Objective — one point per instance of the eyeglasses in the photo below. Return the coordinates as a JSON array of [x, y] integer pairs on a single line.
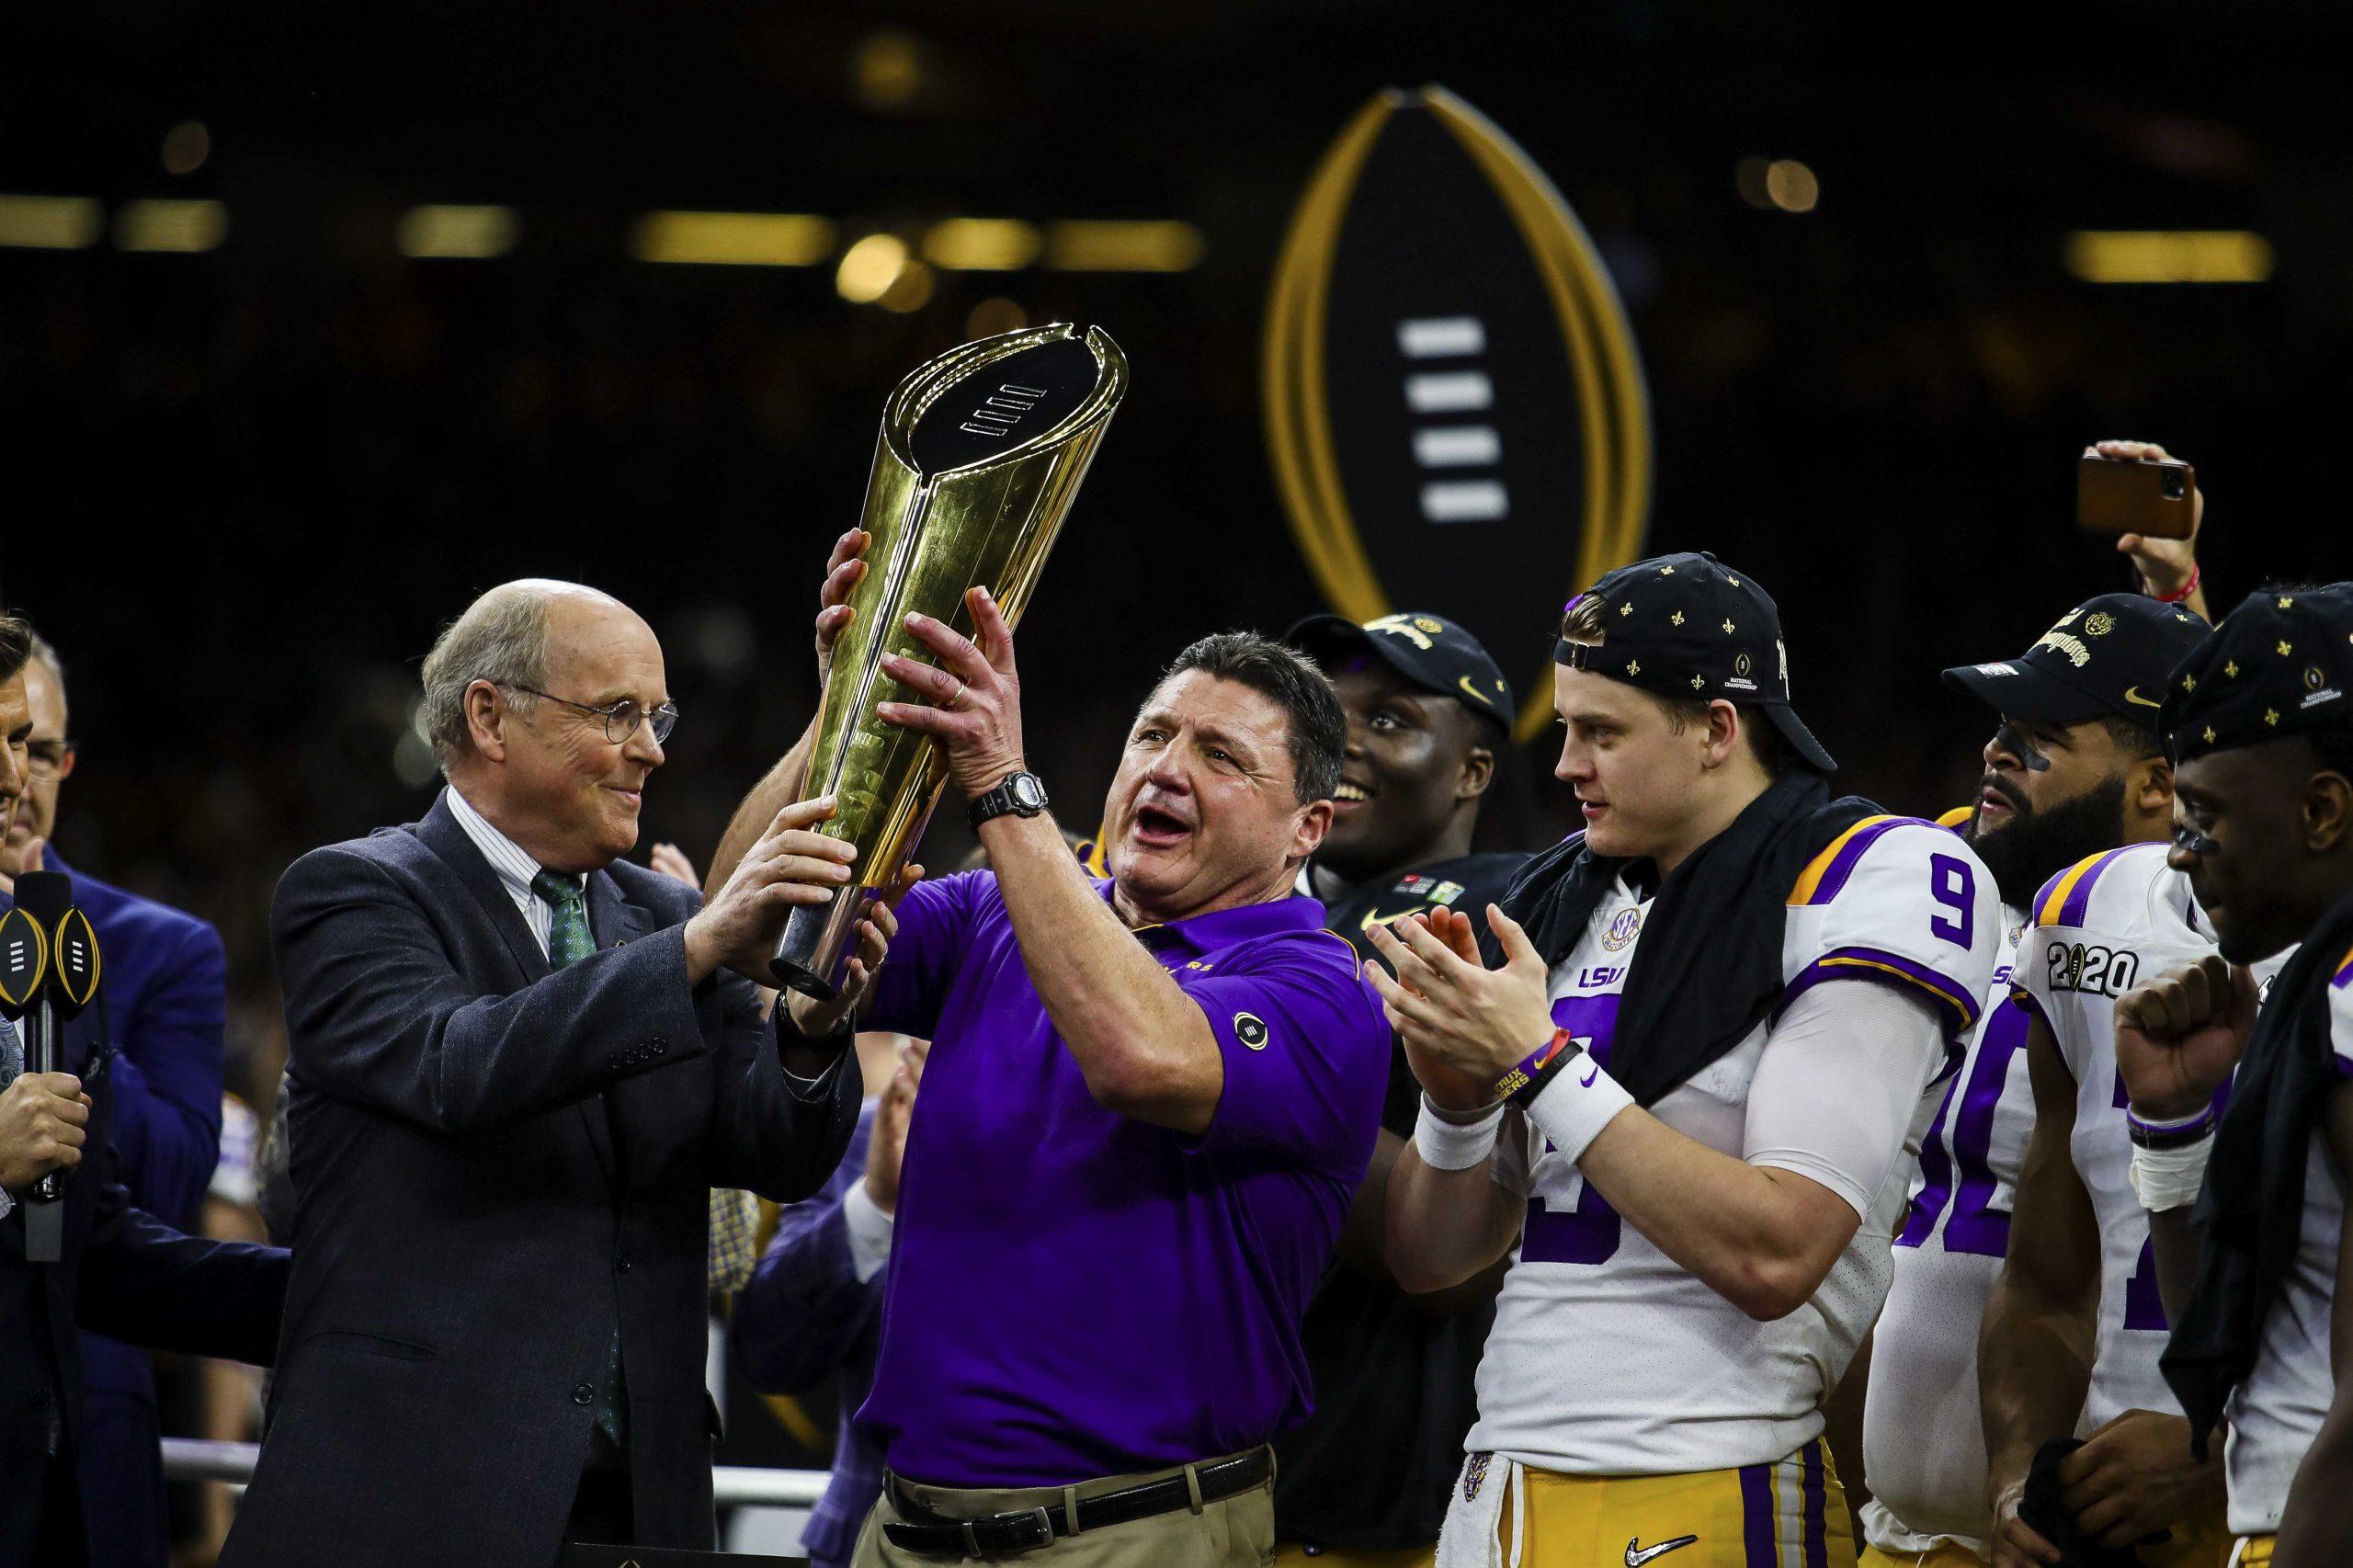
[[622, 719], [47, 759]]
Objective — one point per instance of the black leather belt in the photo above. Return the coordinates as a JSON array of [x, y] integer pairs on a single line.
[[1008, 1535]]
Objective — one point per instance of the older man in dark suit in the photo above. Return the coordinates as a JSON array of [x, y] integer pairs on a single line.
[[517, 1065]]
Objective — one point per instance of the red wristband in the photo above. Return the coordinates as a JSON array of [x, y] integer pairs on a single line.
[[1538, 1067], [2196, 571]]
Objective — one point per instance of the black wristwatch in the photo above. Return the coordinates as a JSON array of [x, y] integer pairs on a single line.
[[1023, 794]]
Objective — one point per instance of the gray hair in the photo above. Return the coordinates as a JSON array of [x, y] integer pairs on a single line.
[[502, 638], [46, 656]]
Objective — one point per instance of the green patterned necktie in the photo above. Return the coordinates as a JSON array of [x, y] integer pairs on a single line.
[[569, 941]]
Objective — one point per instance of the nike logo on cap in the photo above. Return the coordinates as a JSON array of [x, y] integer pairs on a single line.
[[1473, 692], [1637, 1554], [2133, 695]]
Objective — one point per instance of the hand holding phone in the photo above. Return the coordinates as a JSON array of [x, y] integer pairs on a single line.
[[2151, 495], [2151, 502]]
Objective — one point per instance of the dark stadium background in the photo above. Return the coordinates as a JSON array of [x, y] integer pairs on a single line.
[[244, 487]]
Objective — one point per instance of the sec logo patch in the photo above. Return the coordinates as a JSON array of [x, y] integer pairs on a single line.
[[1251, 1030]]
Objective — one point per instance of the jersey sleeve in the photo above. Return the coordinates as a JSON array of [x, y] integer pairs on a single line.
[[1306, 1051], [1900, 903], [2098, 929], [2340, 1014], [936, 920]]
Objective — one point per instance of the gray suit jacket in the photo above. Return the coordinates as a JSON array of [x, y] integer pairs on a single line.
[[489, 1160]]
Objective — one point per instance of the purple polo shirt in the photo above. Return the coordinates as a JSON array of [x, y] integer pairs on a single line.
[[1073, 1293]]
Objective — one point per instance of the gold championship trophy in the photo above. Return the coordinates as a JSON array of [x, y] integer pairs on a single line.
[[982, 453]]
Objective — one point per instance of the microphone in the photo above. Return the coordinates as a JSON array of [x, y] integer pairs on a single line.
[[69, 982]]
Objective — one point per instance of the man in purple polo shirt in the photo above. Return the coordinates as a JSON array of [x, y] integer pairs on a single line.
[[1147, 1103]]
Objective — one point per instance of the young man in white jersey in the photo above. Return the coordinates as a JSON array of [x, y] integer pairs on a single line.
[[2073, 767], [1693, 1135], [2260, 723]]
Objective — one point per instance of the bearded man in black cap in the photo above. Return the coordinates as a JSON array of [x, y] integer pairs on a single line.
[[1428, 714], [2260, 721], [1667, 1098], [2073, 769]]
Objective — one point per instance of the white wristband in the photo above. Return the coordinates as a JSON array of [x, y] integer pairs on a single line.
[[2169, 1178], [1455, 1145], [1576, 1105]]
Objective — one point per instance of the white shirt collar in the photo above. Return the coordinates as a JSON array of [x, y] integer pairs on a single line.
[[509, 860]]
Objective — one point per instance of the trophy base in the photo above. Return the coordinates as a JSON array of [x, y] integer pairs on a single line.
[[812, 956], [792, 977]]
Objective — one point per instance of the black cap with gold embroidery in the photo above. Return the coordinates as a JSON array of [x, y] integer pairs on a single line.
[[1687, 626], [2280, 663], [2107, 658], [1429, 649]]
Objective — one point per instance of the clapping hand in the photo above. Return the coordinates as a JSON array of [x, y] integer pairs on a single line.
[[1463, 1025]]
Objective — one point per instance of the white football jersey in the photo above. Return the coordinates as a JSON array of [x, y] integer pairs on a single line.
[[2276, 1411], [1924, 1451], [1606, 1357], [2101, 927]]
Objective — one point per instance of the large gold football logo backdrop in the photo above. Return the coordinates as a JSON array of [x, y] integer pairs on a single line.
[[1454, 407]]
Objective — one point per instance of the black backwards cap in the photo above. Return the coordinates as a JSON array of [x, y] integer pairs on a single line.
[[2107, 658], [2280, 663], [1429, 649], [1687, 626]]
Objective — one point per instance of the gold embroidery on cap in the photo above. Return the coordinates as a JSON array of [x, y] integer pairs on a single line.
[[1727, 628], [2271, 715], [1677, 618]]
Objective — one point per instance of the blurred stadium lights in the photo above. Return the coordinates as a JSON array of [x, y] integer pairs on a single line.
[[51, 222], [734, 239], [1790, 185], [2169, 256], [186, 146], [869, 268], [444, 230], [170, 225], [1122, 245], [983, 245]]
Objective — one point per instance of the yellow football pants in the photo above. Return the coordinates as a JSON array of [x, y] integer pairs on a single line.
[[2254, 1552], [1789, 1515]]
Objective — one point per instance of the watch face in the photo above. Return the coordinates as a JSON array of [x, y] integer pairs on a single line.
[[1028, 794]]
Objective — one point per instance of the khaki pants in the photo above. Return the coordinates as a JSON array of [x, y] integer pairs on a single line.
[[1235, 1532]]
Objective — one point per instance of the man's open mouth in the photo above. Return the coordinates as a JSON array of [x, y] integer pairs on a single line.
[[1157, 827]]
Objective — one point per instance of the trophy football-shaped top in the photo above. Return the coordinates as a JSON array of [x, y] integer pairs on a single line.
[[982, 453]]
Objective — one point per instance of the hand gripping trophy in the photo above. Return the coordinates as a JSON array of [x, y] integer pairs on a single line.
[[981, 456]]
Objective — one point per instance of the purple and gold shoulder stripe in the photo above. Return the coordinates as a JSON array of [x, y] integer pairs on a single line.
[[1960, 1008], [2343, 976], [1826, 874], [2066, 898]]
